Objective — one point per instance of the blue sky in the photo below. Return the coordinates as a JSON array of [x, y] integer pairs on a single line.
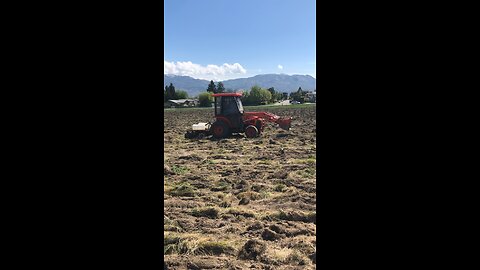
[[225, 39]]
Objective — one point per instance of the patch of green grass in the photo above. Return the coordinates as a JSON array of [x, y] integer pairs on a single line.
[[280, 187], [182, 190], [308, 172], [179, 169], [311, 161]]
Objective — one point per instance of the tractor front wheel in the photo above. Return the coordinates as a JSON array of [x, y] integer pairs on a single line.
[[220, 130], [251, 132]]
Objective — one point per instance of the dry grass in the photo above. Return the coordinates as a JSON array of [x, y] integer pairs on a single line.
[[183, 190], [293, 216], [220, 195], [195, 244], [210, 212]]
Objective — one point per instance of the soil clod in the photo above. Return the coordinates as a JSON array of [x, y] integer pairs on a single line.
[[255, 226], [244, 201], [270, 235], [252, 250]]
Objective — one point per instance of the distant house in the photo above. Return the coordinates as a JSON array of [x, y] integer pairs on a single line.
[[311, 97], [178, 103]]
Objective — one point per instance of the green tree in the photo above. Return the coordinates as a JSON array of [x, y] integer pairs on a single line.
[[220, 88], [205, 99], [246, 97], [273, 93], [170, 91], [298, 96], [253, 95], [165, 94], [259, 95], [265, 96], [293, 95], [278, 96], [211, 87], [180, 94]]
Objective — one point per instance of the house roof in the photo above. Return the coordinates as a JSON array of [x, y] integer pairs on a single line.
[[181, 101]]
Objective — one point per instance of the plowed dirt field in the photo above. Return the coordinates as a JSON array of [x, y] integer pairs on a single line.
[[240, 203]]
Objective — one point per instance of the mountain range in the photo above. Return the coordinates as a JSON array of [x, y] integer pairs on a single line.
[[281, 83]]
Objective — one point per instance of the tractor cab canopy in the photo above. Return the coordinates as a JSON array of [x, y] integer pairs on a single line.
[[228, 104]]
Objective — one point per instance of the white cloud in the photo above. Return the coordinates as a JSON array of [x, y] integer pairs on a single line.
[[209, 72], [280, 67]]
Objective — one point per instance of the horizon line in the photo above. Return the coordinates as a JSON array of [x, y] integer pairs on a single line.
[[241, 77]]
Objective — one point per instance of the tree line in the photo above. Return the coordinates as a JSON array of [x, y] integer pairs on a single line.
[[171, 93], [255, 96]]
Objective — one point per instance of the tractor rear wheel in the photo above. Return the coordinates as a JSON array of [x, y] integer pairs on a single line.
[[251, 131], [220, 130]]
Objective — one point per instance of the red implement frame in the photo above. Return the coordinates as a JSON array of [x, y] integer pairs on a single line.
[[284, 123]]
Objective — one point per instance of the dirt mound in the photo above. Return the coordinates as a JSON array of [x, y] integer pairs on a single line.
[[252, 250]]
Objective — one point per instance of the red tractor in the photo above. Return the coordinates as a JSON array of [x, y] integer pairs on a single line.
[[230, 118]]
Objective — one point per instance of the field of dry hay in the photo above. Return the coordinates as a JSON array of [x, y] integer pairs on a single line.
[[240, 203]]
